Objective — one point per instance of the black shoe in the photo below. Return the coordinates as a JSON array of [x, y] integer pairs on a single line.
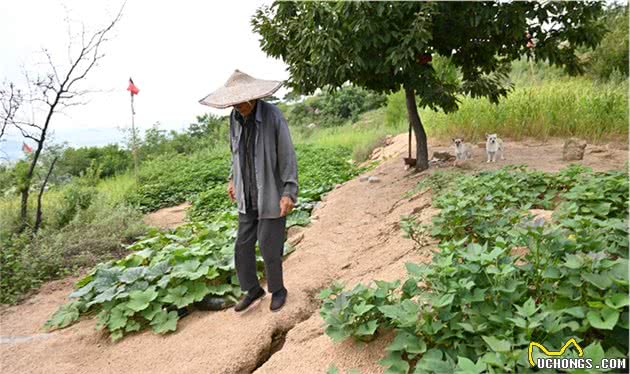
[[249, 299], [278, 299]]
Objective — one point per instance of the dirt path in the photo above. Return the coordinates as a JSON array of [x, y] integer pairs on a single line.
[[354, 238], [168, 218]]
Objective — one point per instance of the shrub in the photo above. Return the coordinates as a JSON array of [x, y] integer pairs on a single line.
[[396, 111], [612, 53], [93, 235], [333, 108], [172, 179]]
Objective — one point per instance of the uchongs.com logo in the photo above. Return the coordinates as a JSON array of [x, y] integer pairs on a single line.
[[555, 359]]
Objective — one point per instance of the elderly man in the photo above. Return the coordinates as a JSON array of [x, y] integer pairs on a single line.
[[263, 182]]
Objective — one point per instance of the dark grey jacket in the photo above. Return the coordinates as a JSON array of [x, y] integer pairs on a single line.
[[274, 161]]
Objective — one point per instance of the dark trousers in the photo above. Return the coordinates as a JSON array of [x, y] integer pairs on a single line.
[[270, 236]]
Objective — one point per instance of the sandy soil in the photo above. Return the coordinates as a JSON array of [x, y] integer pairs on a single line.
[[168, 218], [354, 237]]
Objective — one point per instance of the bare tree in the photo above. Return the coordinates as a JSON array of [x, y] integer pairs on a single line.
[[52, 92], [10, 101]]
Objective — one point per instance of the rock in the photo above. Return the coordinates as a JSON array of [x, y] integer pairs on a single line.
[[296, 239], [597, 150], [573, 149], [389, 139], [311, 126], [443, 156], [541, 214], [338, 185], [293, 231], [373, 179], [464, 165], [364, 178], [376, 153]]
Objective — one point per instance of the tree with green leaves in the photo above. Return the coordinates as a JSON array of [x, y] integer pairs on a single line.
[[386, 46]]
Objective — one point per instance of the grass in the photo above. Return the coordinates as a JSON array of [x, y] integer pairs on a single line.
[[362, 136], [117, 188], [554, 107], [560, 108]]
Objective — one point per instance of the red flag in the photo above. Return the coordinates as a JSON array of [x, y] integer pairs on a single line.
[[26, 148], [132, 88]]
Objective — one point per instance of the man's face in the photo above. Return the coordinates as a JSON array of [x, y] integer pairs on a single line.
[[245, 108]]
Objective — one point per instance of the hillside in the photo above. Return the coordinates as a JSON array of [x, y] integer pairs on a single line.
[[355, 237]]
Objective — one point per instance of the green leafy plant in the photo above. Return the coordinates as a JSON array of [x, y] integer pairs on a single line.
[[356, 312], [164, 272], [490, 290]]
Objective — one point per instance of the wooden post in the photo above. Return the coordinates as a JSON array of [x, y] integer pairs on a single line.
[[133, 140]]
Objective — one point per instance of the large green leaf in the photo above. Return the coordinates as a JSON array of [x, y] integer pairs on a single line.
[[164, 322], [64, 316], [601, 281], [131, 275], [605, 318], [466, 366], [140, 300], [497, 345]]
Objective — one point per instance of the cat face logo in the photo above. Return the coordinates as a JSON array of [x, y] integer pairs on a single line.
[[553, 353]]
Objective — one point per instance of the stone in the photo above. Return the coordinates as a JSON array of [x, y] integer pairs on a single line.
[[443, 156], [389, 139], [364, 178], [311, 126], [597, 150], [376, 153], [293, 231], [374, 179], [295, 239], [541, 214], [338, 185], [573, 149]]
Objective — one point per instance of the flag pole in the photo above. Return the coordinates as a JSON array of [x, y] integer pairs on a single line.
[[133, 139]]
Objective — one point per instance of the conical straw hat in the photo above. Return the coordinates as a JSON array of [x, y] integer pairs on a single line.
[[240, 88]]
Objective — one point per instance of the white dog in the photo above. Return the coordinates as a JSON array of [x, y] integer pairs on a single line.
[[494, 145], [463, 151]]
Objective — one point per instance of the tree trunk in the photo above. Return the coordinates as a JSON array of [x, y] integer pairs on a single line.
[[38, 216], [23, 208], [422, 151]]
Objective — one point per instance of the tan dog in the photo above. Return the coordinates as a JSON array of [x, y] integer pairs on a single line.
[[463, 151], [494, 145]]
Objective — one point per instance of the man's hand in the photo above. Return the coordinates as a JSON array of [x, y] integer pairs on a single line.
[[286, 206], [230, 190]]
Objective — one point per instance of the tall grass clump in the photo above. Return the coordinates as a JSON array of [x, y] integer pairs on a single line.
[[558, 108], [80, 229], [361, 137]]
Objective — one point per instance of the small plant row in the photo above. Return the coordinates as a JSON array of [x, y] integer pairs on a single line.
[[164, 272], [478, 304], [320, 168], [167, 271]]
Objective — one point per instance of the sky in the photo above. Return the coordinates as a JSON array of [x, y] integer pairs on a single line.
[[176, 53]]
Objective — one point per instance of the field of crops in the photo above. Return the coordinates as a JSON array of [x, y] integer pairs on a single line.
[[502, 277], [167, 271]]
